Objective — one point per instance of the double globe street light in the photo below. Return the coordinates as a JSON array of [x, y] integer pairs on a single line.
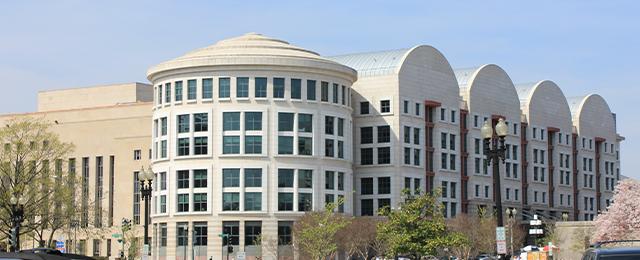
[[146, 178], [494, 149], [17, 216]]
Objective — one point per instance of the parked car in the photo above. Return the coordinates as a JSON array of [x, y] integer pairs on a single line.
[[597, 252], [49, 251], [30, 256]]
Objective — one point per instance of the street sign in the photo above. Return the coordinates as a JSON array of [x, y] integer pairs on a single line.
[[241, 256], [535, 222], [116, 235], [500, 234], [60, 246], [502, 247], [550, 248], [535, 231]]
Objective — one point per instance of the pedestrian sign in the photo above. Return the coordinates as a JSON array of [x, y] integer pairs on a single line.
[[500, 234], [502, 247]]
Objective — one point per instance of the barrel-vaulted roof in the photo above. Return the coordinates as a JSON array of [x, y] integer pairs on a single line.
[[374, 63], [251, 50]]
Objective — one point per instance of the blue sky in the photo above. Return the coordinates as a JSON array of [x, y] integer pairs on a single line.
[[584, 46]]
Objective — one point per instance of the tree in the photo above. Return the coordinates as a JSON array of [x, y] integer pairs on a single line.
[[358, 237], [621, 220], [25, 175], [417, 228], [315, 232]]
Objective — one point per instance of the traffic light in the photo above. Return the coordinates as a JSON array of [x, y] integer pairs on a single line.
[[230, 249], [121, 254], [225, 240]]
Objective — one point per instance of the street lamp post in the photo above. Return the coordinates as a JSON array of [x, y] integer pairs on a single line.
[[17, 216], [511, 213], [146, 177], [494, 149]]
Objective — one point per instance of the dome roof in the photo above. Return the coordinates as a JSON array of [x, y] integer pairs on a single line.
[[251, 49]]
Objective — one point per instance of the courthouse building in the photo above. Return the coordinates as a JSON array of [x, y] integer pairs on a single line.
[[246, 135]]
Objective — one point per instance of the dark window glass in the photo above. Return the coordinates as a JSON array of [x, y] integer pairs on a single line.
[[296, 89], [242, 87], [261, 88], [311, 90], [366, 186], [278, 87]]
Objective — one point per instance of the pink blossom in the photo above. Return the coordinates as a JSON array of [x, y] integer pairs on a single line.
[[621, 220]]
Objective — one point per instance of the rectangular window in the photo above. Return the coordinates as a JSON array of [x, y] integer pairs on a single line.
[[285, 178], [417, 109], [183, 123], [305, 145], [366, 186], [311, 90], [224, 87], [305, 179], [278, 87], [207, 88], [253, 201], [341, 181], [178, 91], [191, 89], [334, 93], [167, 93], [384, 155], [231, 121], [285, 201], [285, 122], [252, 144], [443, 114], [163, 149], [183, 146], [242, 87], [261, 87], [342, 94], [329, 125], [384, 185], [407, 155], [324, 91], [200, 145], [230, 178], [182, 234], [405, 107], [199, 178], [231, 145], [231, 228], [305, 202], [385, 106], [453, 116], [183, 202], [329, 180], [284, 232], [416, 135], [366, 156], [340, 126], [329, 148], [201, 122], [443, 161], [366, 135], [364, 108], [444, 187], [163, 126], [416, 157], [452, 142], [366, 207], [443, 140], [340, 149], [200, 233], [230, 201], [183, 179], [285, 145], [252, 232], [296, 89], [252, 121], [384, 134], [199, 202]]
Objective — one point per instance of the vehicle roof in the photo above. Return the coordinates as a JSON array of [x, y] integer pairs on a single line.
[[617, 250]]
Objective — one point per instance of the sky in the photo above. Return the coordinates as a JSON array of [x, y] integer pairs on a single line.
[[583, 46]]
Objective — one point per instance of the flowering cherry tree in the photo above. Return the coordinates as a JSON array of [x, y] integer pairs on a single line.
[[622, 218]]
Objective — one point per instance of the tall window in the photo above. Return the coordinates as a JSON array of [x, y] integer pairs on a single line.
[[224, 87], [167, 93], [334, 93], [178, 91], [183, 179], [364, 108], [324, 91], [200, 145], [384, 134], [252, 232], [242, 87], [296, 88], [261, 87], [199, 178], [253, 121], [311, 90], [99, 191], [199, 202], [183, 202], [207, 88], [191, 89], [200, 233], [278, 87]]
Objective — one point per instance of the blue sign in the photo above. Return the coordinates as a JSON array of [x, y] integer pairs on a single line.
[[60, 246]]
